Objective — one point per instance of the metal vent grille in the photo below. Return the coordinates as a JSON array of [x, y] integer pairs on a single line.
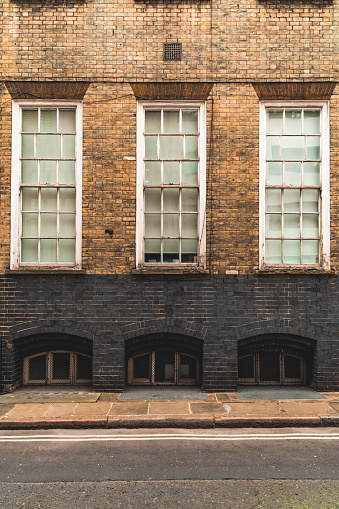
[[172, 51]]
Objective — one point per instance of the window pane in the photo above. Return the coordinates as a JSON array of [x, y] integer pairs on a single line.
[[171, 147], [48, 250], [171, 250], [48, 121], [189, 200], [67, 250], [190, 173], [67, 121], [68, 146], [292, 251], [311, 122], [30, 225], [152, 225], [164, 366], [189, 227], [152, 250], [313, 147], [61, 366], [310, 200], [152, 172], [274, 121], [190, 121], [29, 121], [37, 368], [273, 225], [189, 251], [171, 225], [191, 151], [293, 147], [311, 174], [67, 225], [29, 172], [67, 172], [293, 122], [49, 200], [29, 250], [188, 367], [310, 251], [48, 146], [274, 174], [67, 200], [292, 226], [30, 199], [310, 226], [141, 366], [151, 147], [293, 173], [273, 251], [273, 147], [171, 122], [246, 367], [273, 200], [269, 366], [153, 121], [171, 172], [292, 200], [47, 172], [153, 200], [171, 200], [48, 225], [27, 145], [292, 367]]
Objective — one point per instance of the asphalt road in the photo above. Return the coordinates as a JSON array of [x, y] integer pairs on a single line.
[[99, 469]]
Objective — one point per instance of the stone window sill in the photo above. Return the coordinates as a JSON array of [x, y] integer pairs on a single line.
[[38, 270], [169, 271]]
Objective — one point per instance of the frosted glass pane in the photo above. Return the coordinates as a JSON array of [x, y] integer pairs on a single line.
[[310, 226], [153, 200], [313, 147], [47, 172], [274, 173], [171, 147], [171, 251], [190, 173], [310, 200], [291, 251], [191, 151], [273, 200], [68, 146], [151, 147], [273, 147], [30, 225], [274, 121], [292, 226], [67, 121], [273, 225], [152, 225], [67, 172], [171, 225], [189, 225], [273, 251], [171, 122], [190, 121], [293, 173], [189, 246], [29, 172], [48, 146], [29, 121], [67, 200], [27, 145], [292, 200], [292, 147], [30, 199], [49, 200], [171, 200], [48, 121], [67, 250], [189, 200], [310, 251], [311, 174], [48, 250], [29, 250], [171, 172], [152, 250], [311, 122], [153, 121], [152, 172], [48, 225], [67, 225], [293, 122]]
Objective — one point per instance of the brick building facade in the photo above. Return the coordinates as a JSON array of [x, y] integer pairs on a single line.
[[168, 193]]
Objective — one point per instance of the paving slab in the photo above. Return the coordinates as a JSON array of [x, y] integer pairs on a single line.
[[50, 394], [335, 405], [306, 408], [89, 410], [254, 409], [129, 408], [208, 408], [60, 411], [169, 408], [163, 393], [4, 409], [32, 411]]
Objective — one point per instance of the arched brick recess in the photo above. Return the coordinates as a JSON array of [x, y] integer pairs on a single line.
[[165, 325]]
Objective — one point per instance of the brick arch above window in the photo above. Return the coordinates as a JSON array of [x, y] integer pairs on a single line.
[[301, 91], [171, 91], [58, 90]]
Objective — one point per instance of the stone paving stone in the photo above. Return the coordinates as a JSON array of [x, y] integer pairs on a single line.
[[4, 409], [207, 408], [169, 408], [32, 411], [90, 410], [255, 409], [129, 408], [335, 405], [109, 396], [306, 408], [60, 410]]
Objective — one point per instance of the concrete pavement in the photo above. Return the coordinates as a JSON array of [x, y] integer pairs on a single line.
[[32, 408]]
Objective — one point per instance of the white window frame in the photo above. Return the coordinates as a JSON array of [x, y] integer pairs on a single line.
[[142, 106], [17, 107], [324, 215]]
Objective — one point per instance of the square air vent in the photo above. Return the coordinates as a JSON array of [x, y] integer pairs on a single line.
[[172, 51]]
